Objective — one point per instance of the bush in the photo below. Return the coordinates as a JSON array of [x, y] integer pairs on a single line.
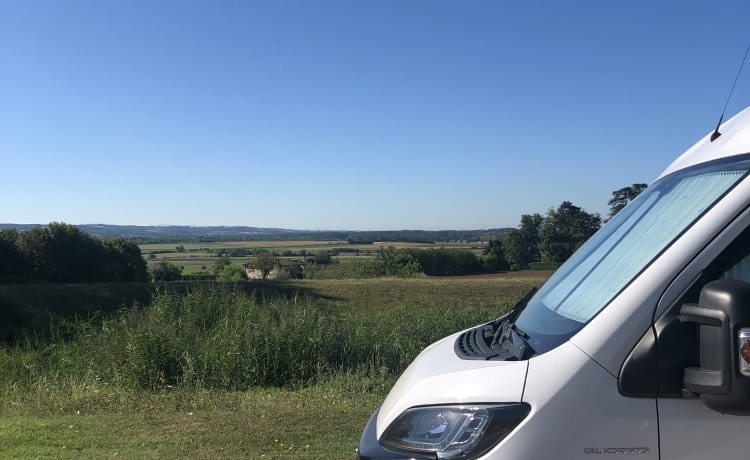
[[352, 269], [166, 271], [446, 262], [231, 273]]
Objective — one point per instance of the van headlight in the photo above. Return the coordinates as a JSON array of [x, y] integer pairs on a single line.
[[457, 431]]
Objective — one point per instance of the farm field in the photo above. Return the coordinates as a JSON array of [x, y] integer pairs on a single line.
[[76, 409], [199, 257]]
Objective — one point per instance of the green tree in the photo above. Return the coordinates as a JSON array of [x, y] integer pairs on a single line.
[[126, 263], [220, 264], [445, 261], [166, 271], [265, 262], [521, 245], [13, 265], [493, 256], [63, 253], [231, 273], [564, 230], [394, 262], [322, 257], [621, 197]]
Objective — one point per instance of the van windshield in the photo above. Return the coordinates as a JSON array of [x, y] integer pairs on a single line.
[[621, 249]]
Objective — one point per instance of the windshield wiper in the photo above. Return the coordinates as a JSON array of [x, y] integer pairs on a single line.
[[520, 332], [500, 339], [510, 318], [503, 342]]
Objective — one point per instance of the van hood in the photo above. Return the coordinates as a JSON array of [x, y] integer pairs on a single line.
[[438, 376]]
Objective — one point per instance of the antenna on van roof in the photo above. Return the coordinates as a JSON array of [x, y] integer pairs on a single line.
[[715, 135]]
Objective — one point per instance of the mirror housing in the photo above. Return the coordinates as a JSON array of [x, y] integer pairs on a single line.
[[722, 318]]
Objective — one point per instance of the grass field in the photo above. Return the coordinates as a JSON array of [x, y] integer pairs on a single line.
[[60, 400], [321, 422]]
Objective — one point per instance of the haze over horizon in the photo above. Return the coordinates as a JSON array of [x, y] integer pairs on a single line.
[[353, 115]]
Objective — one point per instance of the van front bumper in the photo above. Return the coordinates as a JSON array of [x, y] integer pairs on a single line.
[[370, 449]]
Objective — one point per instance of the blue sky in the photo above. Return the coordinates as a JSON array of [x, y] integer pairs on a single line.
[[351, 114]]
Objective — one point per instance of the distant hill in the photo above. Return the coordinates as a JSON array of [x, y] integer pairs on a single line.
[[184, 233]]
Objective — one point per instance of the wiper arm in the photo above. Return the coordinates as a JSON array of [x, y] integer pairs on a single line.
[[520, 332], [520, 305], [502, 340], [510, 318], [512, 343]]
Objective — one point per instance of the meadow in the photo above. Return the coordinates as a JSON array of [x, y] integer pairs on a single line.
[[217, 372]]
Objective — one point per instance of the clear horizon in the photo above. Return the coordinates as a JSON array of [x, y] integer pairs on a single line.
[[355, 115], [312, 230]]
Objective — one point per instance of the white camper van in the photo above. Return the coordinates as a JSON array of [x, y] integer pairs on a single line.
[[637, 347]]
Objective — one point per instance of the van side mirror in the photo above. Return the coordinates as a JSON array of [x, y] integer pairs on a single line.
[[722, 318]]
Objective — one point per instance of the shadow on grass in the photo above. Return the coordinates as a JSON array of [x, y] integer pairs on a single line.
[[26, 309]]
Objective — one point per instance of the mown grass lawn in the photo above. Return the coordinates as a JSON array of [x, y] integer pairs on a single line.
[[321, 422]]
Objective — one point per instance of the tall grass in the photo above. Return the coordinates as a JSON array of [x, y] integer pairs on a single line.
[[217, 338]]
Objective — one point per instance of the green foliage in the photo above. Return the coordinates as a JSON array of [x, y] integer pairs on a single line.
[[166, 271], [229, 340], [394, 262], [265, 262], [493, 257], [231, 273], [351, 269], [446, 261], [564, 230], [322, 257], [220, 264], [64, 254], [12, 261], [521, 246], [198, 276], [124, 262], [621, 197], [402, 263], [552, 238]]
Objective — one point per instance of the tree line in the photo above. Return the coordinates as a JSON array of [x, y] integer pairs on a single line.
[[62, 253], [539, 242], [547, 241]]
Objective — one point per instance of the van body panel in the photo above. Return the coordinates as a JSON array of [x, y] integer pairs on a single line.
[[735, 138], [691, 431], [577, 412], [438, 376], [610, 345]]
